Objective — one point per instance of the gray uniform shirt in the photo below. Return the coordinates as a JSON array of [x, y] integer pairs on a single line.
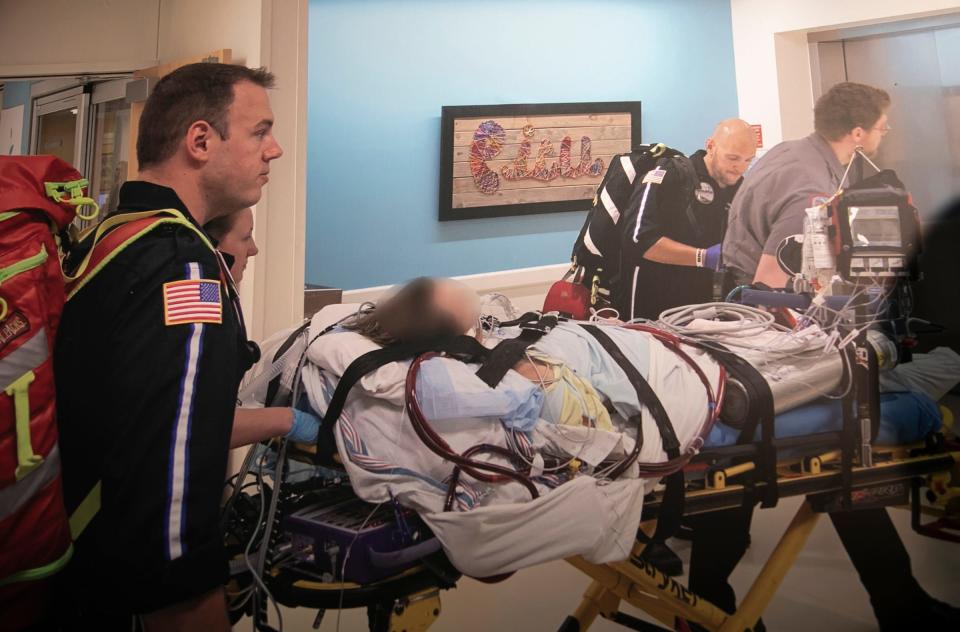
[[770, 203]]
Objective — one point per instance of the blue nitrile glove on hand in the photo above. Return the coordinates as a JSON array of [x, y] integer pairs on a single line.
[[305, 427], [711, 257]]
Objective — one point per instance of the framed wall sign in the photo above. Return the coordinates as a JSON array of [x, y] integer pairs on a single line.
[[499, 160]]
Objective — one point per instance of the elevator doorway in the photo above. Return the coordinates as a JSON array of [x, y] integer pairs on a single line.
[[916, 62]]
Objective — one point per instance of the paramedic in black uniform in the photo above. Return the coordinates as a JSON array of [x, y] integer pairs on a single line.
[[672, 249], [146, 408], [770, 206]]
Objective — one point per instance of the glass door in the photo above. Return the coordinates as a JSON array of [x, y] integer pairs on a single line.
[[59, 126], [110, 143]]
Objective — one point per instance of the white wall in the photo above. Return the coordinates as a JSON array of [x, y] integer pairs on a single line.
[[43, 37], [774, 85], [189, 28], [525, 287]]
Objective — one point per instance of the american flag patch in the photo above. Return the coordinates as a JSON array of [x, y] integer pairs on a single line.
[[192, 301]]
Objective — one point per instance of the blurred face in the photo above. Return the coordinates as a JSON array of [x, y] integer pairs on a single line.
[[459, 301], [239, 243], [238, 165], [727, 159]]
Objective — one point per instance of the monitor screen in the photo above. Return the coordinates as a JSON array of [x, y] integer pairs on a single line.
[[872, 226]]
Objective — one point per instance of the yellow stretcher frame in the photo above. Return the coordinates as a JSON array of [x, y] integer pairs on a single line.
[[643, 586], [636, 582]]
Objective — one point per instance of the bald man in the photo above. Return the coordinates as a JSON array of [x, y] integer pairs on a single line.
[[672, 247]]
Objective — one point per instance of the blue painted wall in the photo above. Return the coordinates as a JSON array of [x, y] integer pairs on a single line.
[[18, 93], [379, 71]]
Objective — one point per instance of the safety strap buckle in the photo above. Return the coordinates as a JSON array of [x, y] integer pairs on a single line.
[[543, 325], [72, 193]]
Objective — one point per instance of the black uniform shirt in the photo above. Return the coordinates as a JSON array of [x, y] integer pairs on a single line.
[[653, 287], [147, 407]]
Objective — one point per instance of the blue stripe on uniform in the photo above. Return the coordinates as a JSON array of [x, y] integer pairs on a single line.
[[180, 438]]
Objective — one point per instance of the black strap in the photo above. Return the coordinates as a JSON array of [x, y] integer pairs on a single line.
[[691, 181], [672, 506], [526, 317], [463, 347], [645, 393], [505, 355], [762, 413]]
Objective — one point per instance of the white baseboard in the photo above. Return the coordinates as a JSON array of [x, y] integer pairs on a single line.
[[525, 287]]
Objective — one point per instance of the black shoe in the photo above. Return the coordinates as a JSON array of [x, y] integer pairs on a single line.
[[760, 627], [927, 614]]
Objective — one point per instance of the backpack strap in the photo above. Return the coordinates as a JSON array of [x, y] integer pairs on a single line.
[[690, 182], [113, 235]]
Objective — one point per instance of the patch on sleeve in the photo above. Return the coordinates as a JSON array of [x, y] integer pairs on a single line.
[[192, 301], [655, 176]]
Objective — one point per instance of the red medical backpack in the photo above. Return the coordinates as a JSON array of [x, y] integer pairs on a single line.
[[39, 198], [34, 529]]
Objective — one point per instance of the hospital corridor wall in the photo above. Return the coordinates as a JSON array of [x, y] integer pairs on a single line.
[[379, 72]]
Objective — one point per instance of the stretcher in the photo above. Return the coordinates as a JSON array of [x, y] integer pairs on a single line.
[[825, 468], [410, 600]]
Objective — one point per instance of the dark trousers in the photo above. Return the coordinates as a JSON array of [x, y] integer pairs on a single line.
[[720, 539]]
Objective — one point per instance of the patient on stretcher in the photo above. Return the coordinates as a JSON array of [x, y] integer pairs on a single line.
[[549, 415], [574, 379], [567, 376]]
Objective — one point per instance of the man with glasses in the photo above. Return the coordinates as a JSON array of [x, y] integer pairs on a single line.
[[770, 204], [769, 207]]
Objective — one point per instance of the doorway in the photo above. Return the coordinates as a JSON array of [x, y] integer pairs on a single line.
[[916, 63]]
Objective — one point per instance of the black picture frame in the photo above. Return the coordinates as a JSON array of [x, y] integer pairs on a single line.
[[450, 113]]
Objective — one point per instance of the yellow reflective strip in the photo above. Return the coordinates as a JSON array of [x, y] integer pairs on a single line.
[[27, 460], [40, 572], [83, 514], [177, 218], [100, 229], [23, 265]]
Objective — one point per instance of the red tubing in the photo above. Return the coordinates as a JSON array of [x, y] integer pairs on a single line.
[[498, 473], [714, 401], [438, 446]]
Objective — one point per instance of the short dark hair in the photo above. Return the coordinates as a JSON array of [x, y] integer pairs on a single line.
[[848, 105], [191, 93]]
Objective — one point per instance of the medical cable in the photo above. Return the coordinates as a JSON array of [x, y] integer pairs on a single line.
[[268, 528], [743, 326], [519, 452], [246, 552], [714, 405], [346, 556], [438, 446]]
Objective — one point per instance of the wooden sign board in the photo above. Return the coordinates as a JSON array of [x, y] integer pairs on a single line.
[[499, 160]]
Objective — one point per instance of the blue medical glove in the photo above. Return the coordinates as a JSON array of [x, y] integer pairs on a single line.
[[711, 257], [305, 427]]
